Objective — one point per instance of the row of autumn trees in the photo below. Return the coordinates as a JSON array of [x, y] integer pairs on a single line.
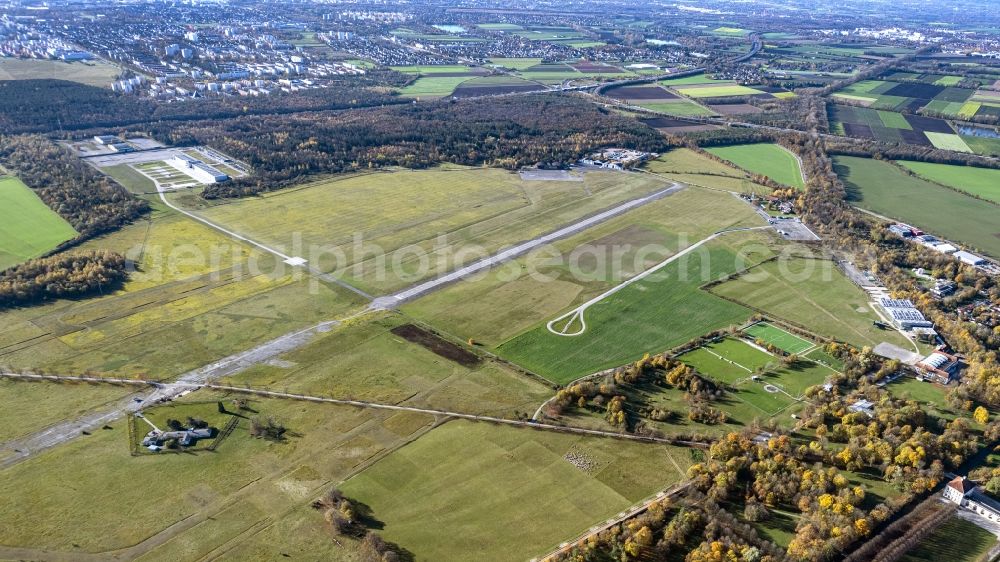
[[689, 526], [511, 132]]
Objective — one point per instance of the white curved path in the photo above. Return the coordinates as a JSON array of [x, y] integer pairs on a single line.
[[577, 314]]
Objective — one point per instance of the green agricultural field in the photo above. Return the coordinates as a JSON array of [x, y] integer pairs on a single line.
[[718, 91], [91, 73], [429, 69], [222, 497], [957, 540], [495, 307], [680, 107], [476, 210], [687, 161], [770, 160], [785, 341], [983, 145], [487, 483], [499, 26], [433, 86], [981, 182], [653, 315], [28, 228], [692, 80], [516, 64], [882, 188], [946, 141], [814, 294]]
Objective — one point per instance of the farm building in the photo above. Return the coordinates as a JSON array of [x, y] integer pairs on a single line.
[[966, 494], [969, 258], [197, 169], [863, 407]]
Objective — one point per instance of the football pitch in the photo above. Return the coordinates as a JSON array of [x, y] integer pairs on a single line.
[[785, 341]]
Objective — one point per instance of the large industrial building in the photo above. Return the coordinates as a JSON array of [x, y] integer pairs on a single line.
[[197, 169]]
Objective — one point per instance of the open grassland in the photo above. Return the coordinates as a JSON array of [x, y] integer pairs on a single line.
[[202, 502], [765, 159], [196, 297], [981, 182], [28, 227], [653, 315], [477, 211], [91, 73], [811, 293], [957, 540], [29, 407], [367, 360], [496, 306], [983, 145], [884, 189], [488, 484]]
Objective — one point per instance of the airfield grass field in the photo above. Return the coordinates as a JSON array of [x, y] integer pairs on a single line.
[[488, 484], [91, 73], [497, 306], [201, 501], [766, 159], [884, 189], [476, 211], [29, 407], [814, 294], [367, 360], [196, 297], [957, 540], [981, 182], [28, 227], [653, 315]]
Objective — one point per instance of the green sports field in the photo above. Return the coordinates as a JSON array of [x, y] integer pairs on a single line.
[[769, 333], [884, 189], [728, 361], [487, 484], [981, 182], [28, 228], [765, 159]]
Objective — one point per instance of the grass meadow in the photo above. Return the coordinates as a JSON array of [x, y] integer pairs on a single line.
[[981, 182], [468, 489], [766, 159], [653, 315], [813, 294], [497, 306], [479, 211], [28, 227]]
